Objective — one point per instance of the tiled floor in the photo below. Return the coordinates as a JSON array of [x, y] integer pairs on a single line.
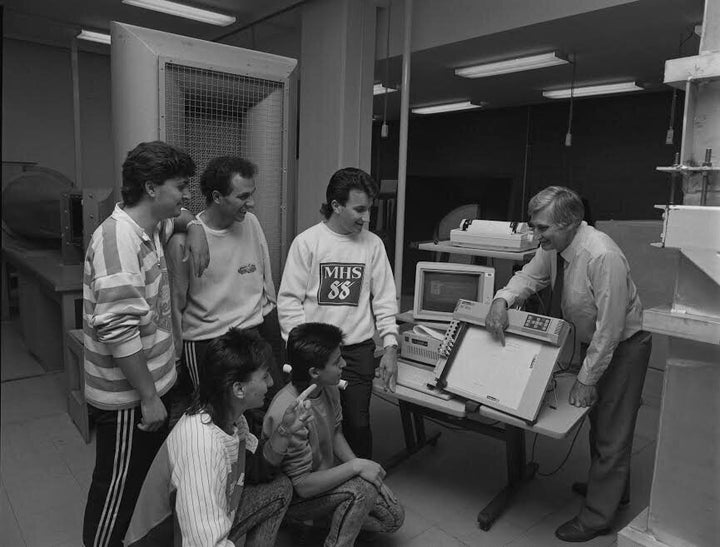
[[45, 469]]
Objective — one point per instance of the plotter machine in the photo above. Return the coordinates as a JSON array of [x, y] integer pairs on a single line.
[[512, 378]]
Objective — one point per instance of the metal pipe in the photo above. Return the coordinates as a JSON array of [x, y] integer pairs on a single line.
[[525, 167], [674, 178], [402, 155], [705, 177], [75, 70]]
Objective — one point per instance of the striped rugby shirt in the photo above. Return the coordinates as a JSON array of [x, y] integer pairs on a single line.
[[126, 308]]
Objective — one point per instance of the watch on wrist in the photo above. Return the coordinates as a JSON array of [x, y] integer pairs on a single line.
[[193, 222], [283, 431]]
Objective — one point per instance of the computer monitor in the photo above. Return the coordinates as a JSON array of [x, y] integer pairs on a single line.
[[439, 285]]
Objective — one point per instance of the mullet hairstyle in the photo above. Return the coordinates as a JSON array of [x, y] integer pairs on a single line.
[[340, 185], [310, 345], [155, 162], [230, 358]]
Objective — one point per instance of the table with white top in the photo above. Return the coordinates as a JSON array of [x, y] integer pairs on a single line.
[[556, 419]]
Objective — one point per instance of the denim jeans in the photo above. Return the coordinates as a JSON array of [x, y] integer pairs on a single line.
[[262, 508], [352, 506]]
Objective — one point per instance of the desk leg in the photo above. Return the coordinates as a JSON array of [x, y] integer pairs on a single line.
[[419, 424], [67, 309], [406, 417], [414, 434], [517, 473], [5, 296], [420, 436]]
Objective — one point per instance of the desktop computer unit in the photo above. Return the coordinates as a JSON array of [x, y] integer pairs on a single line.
[[420, 347]]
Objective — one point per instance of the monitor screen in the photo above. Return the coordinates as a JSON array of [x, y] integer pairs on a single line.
[[439, 286], [442, 290]]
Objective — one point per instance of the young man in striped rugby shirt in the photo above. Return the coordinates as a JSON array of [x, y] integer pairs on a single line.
[[129, 347]]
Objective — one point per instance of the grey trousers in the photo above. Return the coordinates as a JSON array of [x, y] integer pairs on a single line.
[[262, 508], [612, 426], [352, 506]]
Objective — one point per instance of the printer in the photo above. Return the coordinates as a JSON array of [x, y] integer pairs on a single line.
[[497, 235]]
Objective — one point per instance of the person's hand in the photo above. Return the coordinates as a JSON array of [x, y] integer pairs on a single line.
[[297, 415], [582, 395], [387, 370], [153, 412], [370, 471], [496, 321], [388, 495], [196, 247]]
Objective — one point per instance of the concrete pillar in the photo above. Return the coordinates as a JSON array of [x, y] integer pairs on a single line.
[[684, 508], [336, 78]]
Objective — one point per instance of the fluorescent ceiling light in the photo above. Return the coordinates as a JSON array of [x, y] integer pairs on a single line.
[[448, 107], [180, 10], [586, 91], [94, 36], [379, 89], [511, 65]]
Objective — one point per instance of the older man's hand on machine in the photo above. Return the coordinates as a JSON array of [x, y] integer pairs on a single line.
[[583, 395], [496, 321]]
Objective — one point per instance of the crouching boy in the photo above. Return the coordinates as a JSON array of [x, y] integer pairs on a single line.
[[329, 481]]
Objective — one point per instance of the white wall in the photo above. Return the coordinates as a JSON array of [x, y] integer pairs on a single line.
[[38, 110]]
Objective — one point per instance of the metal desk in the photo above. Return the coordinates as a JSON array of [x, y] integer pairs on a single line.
[[557, 418], [50, 300]]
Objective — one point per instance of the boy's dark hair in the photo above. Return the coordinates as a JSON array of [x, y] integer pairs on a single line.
[[344, 180], [156, 162], [220, 171], [230, 358], [310, 345]]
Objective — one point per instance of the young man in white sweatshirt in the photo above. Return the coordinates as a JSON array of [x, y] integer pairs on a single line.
[[338, 272], [237, 290]]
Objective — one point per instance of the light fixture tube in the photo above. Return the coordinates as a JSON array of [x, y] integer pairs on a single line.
[[511, 65], [92, 36], [448, 107], [379, 89], [586, 91], [181, 10]]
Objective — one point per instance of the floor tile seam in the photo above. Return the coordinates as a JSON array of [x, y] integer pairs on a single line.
[[452, 535], [14, 515]]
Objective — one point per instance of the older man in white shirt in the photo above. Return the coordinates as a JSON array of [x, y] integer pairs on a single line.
[[593, 290]]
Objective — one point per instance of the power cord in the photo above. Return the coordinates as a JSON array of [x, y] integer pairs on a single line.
[[565, 459]]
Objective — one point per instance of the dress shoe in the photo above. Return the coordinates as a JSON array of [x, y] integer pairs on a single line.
[[581, 488], [574, 531]]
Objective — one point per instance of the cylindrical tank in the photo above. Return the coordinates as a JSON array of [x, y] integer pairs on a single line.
[[31, 203]]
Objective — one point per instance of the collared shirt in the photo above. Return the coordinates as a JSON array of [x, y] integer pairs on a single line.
[[126, 309], [599, 296]]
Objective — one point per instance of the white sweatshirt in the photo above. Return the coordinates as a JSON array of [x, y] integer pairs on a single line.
[[236, 289], [344, 280]]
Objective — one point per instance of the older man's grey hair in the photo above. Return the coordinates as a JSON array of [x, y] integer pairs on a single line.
[[564, 204]]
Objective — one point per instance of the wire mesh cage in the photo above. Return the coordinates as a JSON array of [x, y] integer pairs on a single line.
[[210, 113]]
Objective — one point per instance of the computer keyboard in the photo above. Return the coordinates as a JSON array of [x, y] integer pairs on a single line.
[[418, 378]]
